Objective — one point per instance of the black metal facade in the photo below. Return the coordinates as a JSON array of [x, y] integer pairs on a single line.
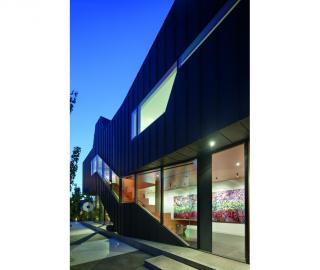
[[210, 92]]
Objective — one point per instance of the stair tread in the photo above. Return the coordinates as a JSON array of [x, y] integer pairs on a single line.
[[162, 262]]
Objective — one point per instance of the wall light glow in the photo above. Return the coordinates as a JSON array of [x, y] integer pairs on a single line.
[[212, 143]]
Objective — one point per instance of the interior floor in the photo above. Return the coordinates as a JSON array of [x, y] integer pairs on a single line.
[[227, 245]]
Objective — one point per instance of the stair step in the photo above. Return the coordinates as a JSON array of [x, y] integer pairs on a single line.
[[165, 263]]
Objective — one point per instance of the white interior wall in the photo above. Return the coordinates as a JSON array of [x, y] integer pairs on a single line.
[[217, 227]]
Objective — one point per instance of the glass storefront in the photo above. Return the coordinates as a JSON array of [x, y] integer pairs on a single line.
[[180, 198], [228, 203], [128, 189], [180, 201], [149, 192], [115, 184]]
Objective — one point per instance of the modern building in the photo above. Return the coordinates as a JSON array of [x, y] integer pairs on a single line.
[[173, 164]]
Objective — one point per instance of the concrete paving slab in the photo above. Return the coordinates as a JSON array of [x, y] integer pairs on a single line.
[[192, 257], [164, 263]]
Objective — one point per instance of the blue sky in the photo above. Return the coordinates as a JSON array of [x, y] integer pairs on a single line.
[[109, 39]]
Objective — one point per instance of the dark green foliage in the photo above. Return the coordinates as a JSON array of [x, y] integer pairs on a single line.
[[74, 164], [73, 99], [75, 203]]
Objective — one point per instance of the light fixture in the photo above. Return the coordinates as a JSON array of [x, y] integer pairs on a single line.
[[212, 143], [238, 164]]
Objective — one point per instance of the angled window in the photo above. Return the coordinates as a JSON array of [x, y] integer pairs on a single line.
[[155, 104], [106, 172], [134, 124], [94, 165], [115, 184], [99, 162]]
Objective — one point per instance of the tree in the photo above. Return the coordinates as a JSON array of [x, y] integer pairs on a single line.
[[76, 196], [73, 99], [75, 203], [74, 164]]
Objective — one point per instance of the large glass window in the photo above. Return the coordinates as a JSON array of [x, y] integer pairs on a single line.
[[149, 193], [180, 201], [228, 203], [134, 124], [94, 165], [99, 169], [128, 189], [106, 172], [155, 104], [115, 184]]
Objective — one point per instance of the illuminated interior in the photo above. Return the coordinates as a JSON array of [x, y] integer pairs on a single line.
[[180, 201], [128, 189], [228, 203], [149, 193]]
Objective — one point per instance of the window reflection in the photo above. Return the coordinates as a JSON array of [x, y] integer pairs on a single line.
[[180, 201], [149, 193], [115, 184], [128, 189], [228, 203]]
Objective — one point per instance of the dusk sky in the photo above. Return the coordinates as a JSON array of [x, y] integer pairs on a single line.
[[109, 41]]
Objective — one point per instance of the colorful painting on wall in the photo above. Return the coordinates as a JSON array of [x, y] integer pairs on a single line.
[[228, 206], [185, 207]]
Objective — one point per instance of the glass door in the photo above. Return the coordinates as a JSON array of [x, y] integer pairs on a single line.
[[228, 203]]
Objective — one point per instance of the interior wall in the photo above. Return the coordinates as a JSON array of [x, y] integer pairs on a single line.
[[228, 228]]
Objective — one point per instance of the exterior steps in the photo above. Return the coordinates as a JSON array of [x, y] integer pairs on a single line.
[[185, 255], [164, 263]]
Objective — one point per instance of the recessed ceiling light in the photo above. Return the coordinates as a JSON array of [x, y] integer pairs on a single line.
[[238, 164], [212, 143]]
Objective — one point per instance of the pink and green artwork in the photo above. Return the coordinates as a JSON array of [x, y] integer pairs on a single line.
[[185, 207], [228, 206]]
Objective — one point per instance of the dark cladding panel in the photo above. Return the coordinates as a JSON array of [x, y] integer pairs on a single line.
[[153, 143], [193, 19], [154, 70], [191, 71], [209, 80], [146, 146], [181, 108], [161, 137], [170, 38], [243, 56], [170, 125], [181, 22], [162, 66], [127, 135], [204, 207], [146, 77], [211, 89]]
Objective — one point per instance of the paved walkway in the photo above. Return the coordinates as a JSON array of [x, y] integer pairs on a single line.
[[197, 258], [90, 250]]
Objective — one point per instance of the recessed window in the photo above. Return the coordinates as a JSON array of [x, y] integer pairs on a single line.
[[94, 164], [134, 124], [154, 105]]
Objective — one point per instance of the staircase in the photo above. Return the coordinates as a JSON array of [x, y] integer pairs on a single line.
[[131, 219]]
